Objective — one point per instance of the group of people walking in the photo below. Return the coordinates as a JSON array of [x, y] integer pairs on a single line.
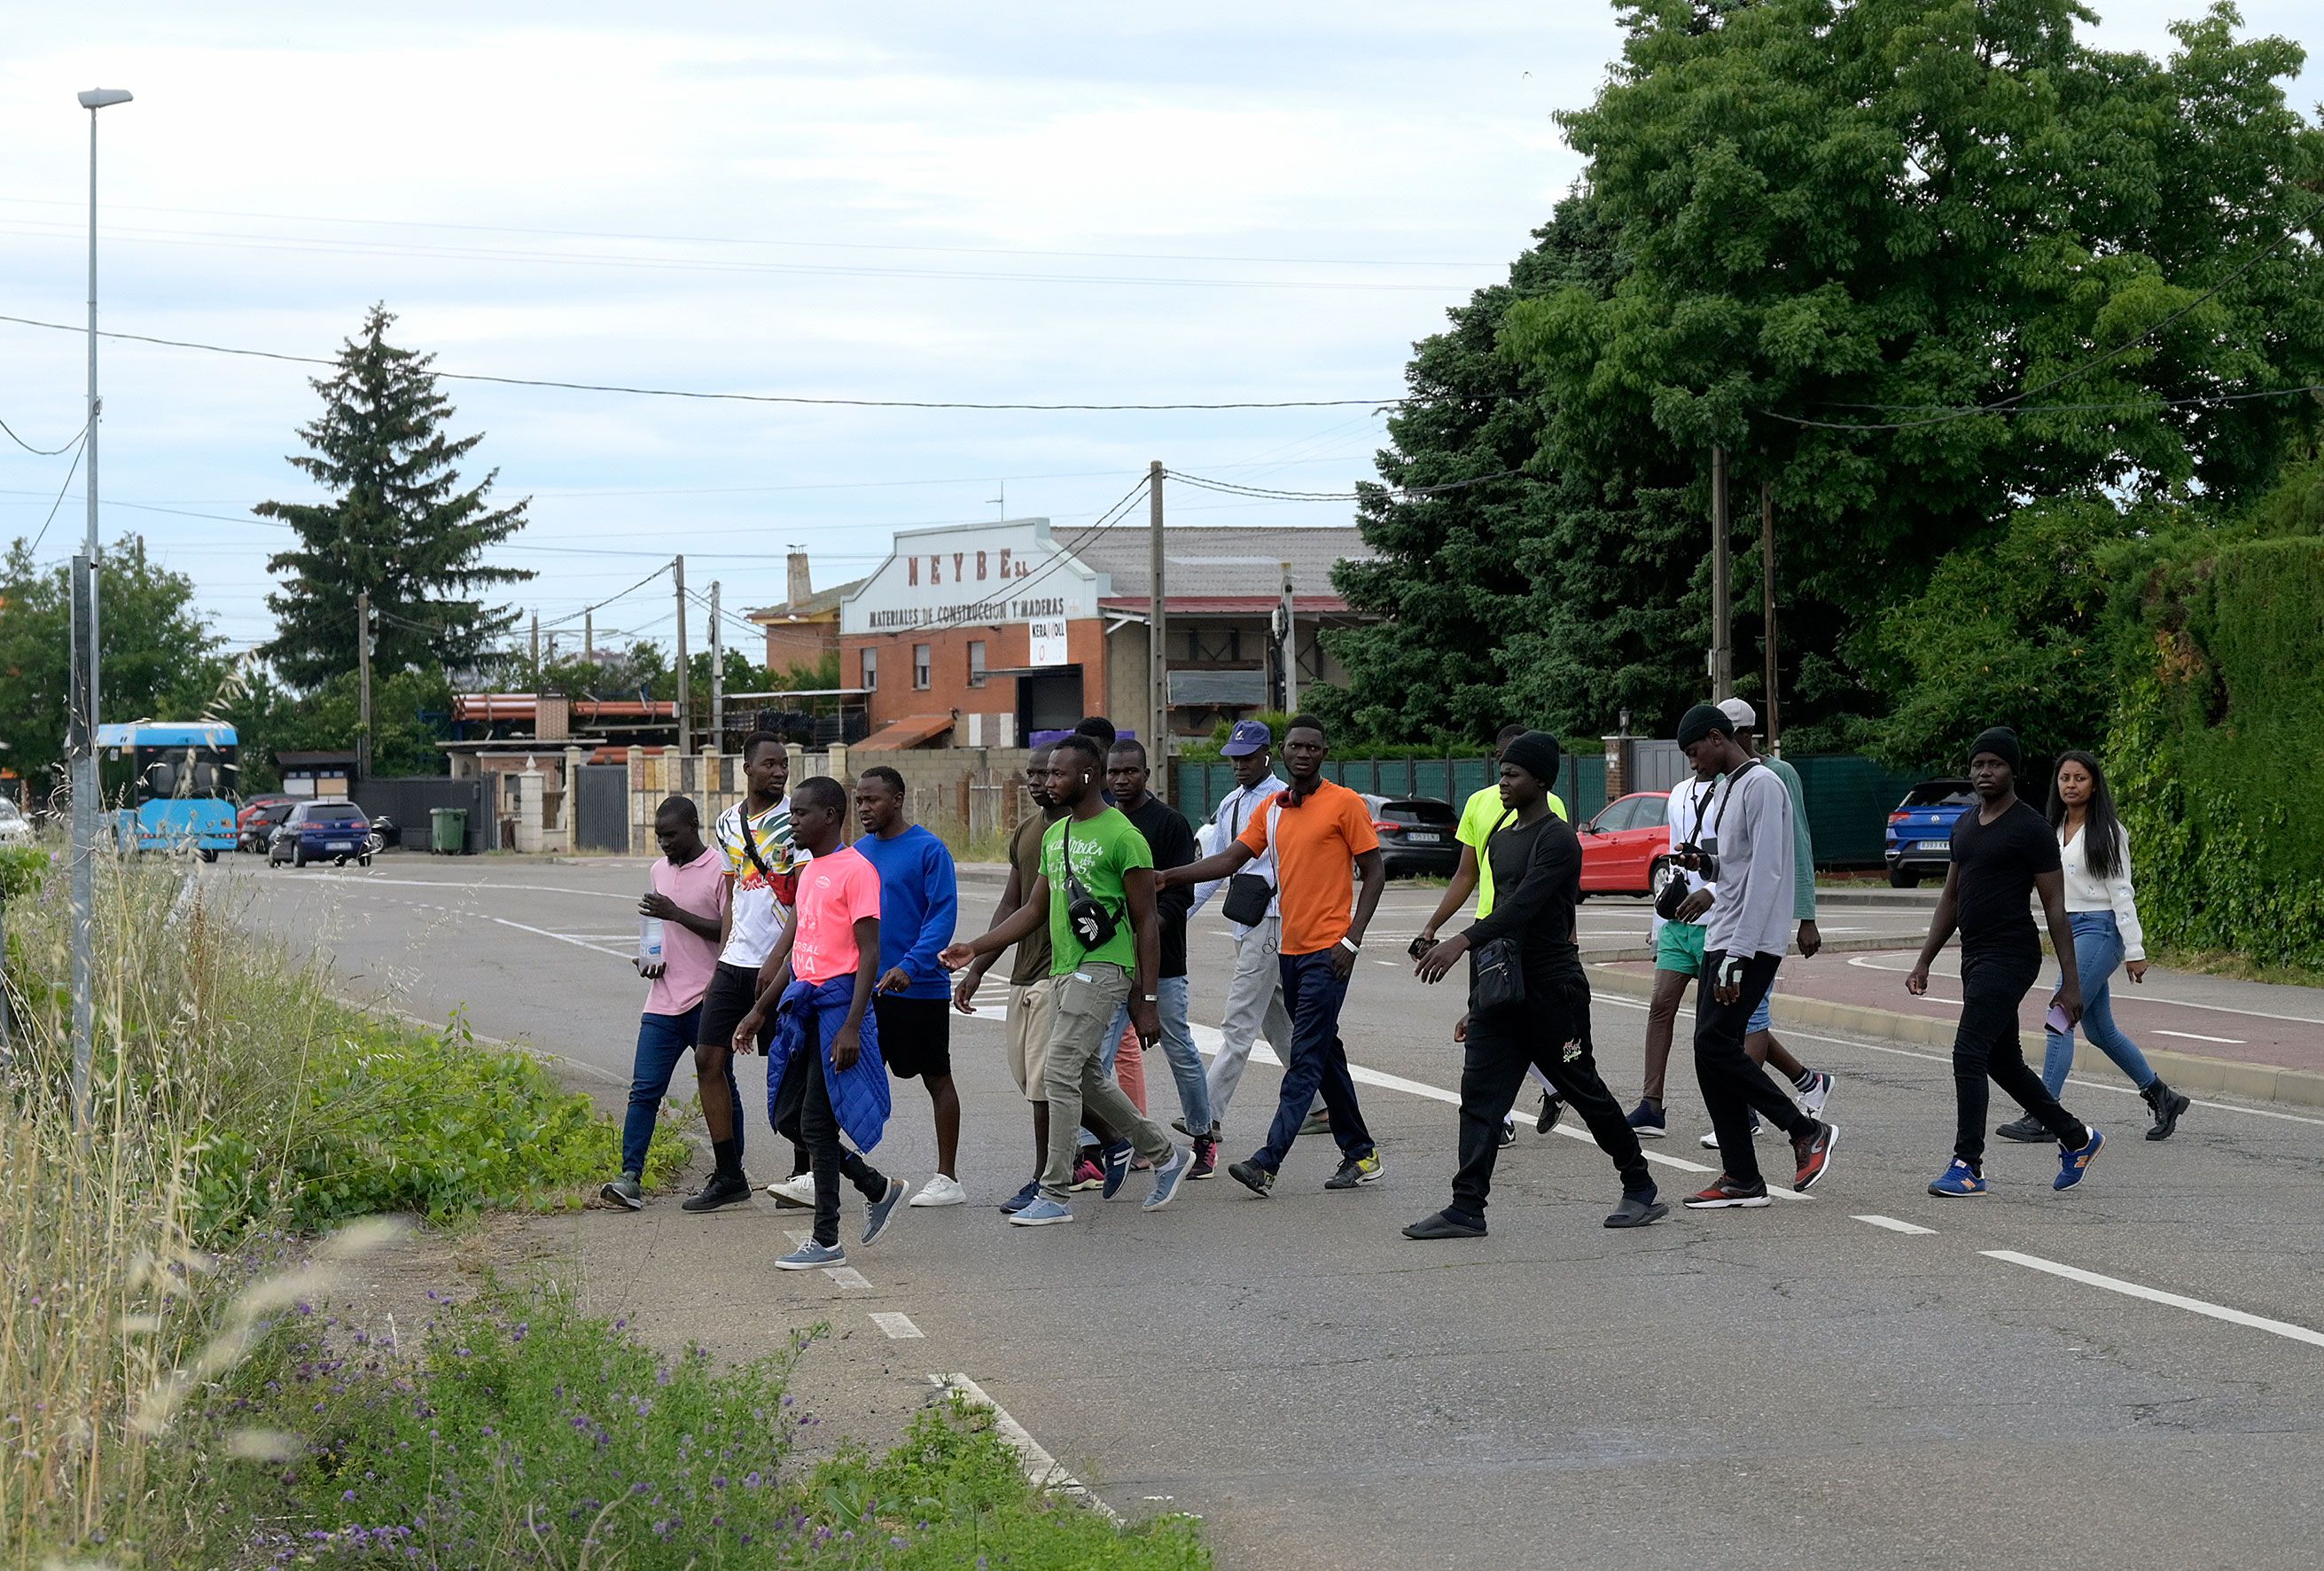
[[835, 956]]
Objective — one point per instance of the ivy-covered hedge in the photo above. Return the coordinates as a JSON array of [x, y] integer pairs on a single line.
[[2217, 745]]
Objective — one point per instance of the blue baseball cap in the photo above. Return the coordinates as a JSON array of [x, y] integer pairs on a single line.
[[1249, 736]]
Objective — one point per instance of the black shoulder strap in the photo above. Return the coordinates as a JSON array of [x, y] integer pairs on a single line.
[[751, 840]]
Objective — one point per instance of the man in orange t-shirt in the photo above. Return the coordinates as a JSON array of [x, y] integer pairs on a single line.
[[1322, 836]]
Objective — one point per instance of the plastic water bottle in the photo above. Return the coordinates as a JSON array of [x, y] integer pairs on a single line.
[[649, 940]]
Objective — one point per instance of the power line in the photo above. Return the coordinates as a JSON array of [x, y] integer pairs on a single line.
[[2143, 404], [2016, 402], [745, 241], [45, 452], [1235, 488], [780, 398], [80, 446], [608, 600]]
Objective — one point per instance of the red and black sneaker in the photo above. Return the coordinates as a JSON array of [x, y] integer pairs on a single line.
[[1206, 1158], [1726, 1194], [1814, 1153]]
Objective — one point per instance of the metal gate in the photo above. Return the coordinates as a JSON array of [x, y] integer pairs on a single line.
[[601, 808]]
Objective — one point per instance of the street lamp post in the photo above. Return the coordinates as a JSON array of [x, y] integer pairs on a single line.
[[84, 771]]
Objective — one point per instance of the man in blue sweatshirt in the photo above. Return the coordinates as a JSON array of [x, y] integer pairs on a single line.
[[919, 896]]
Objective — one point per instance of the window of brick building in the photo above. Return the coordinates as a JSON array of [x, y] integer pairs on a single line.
[[976, 662], [923, 674], [870, 667]]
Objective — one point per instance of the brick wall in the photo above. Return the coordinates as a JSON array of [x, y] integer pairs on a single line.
[[949, 690]]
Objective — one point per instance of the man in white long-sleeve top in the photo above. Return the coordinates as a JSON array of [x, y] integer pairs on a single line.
[[1747, 848]]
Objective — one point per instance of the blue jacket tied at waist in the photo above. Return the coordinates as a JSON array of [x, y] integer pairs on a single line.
[[859, 1094]]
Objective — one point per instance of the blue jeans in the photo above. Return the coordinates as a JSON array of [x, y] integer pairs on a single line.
[[1315, 989], [1178, 1046], [662, 1041], [2098, 953]]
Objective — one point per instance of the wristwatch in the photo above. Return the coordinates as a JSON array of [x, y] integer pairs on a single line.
[[1152, 997]]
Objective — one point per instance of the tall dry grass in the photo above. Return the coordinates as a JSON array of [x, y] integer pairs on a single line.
[[108, 1304]]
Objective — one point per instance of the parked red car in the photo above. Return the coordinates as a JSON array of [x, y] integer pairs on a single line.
[[1625, 849], [256, 823]]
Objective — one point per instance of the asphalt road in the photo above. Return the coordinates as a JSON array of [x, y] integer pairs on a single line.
[[2131, 1374]]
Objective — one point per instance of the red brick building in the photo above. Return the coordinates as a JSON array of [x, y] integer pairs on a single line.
[[984, 635]]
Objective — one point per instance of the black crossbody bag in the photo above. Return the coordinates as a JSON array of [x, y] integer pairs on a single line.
[[1496, 969], [1250, 897]]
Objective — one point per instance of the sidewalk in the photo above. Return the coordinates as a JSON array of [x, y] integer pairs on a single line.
[[2201, 1033]]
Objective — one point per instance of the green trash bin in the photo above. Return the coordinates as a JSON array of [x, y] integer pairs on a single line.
[[447, 831]]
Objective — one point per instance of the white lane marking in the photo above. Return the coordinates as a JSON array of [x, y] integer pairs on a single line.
[[1387, 962], [629, 952], [846, 1276], [1209, 1039], [797, 1235], [2077, 1083], [898, 1327], [2200, 1037], [1892, 1224], [1042, 1468], [2283, 1328], [449, 885], [2126, 995]]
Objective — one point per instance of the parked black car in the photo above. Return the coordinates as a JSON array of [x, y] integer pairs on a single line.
[[1416, 835]]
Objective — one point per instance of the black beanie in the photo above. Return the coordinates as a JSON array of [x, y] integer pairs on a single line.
[[1537, 753], [1700, 721], [2001, 742]]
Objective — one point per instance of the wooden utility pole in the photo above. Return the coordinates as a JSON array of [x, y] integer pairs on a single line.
[[1722, 570], [1290, 654], [363, 684], [536, 649], [589, 634], [1772, 729], [717, 674], [685, 675], [1158, 642]]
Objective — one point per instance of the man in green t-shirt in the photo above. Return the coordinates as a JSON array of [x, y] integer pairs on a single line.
[[1483, 813], [1096, 893]]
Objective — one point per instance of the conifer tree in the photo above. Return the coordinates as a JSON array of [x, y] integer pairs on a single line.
[[399, 524]]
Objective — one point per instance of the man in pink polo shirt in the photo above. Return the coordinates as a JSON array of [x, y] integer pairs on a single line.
[[824, 1075], [689, 898]]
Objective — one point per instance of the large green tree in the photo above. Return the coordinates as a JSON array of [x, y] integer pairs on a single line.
[[157, 657], [399, 523], [1879, 214]]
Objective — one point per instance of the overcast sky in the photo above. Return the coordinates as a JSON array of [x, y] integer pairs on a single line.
[[1205, 201]]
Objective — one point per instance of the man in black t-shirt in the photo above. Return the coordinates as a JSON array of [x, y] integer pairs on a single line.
[[1536, 865], [2002, 851], [1172, 840]]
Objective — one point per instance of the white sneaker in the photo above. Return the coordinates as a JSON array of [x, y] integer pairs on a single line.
[[941, 1191], [799, 1191], [1710, 1138]]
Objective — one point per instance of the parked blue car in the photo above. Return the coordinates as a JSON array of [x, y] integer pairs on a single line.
[[332, 828], [1921, 829]]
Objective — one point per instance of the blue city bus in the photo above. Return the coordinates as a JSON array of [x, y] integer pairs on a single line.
[[174, 784]]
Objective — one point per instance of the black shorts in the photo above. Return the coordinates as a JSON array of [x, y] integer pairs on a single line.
[[734, 989], [915, 1035]]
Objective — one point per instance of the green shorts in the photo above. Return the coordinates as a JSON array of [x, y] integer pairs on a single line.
[[1679, 947]]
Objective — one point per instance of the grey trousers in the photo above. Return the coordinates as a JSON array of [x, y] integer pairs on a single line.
[[1255, 1007], [1084, 1001]]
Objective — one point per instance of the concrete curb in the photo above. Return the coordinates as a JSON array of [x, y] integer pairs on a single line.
[[2184, 1071]]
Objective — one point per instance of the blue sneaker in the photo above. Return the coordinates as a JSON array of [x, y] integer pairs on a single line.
[[810, 1255], [1167, 1177], [1042, 1212], [875, 1219], [1648, 1122], [1022, 1197], [2073, 1162], [1117, 1159], [1959, 1181]]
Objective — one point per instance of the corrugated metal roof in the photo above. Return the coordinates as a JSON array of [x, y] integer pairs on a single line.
[[1210, 561]]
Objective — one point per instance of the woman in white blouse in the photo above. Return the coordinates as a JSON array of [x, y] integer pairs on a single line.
[[2104, 910]]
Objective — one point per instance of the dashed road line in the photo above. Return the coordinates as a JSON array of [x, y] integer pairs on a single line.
[[846, 1276], [2283, 1328], [2200, 1037], [1892, 1224], [898, 1327], [1046, 1473]]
